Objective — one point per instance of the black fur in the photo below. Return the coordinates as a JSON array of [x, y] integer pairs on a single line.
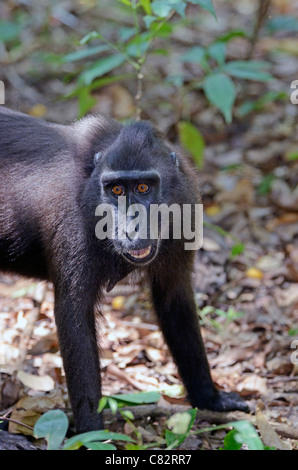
[[52, 178]]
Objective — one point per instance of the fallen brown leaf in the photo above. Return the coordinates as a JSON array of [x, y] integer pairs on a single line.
[[251, 385], [43, 383], [269, 436], [29, 409]]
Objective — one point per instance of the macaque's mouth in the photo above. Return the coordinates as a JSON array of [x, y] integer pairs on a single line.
[[142, 256]]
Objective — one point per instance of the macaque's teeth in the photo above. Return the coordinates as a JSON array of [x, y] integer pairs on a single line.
[[140, 254]]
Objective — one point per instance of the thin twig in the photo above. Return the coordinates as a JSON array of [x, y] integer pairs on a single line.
[[19, 423]]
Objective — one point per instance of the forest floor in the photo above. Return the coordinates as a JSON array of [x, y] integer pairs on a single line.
[[248, 302]]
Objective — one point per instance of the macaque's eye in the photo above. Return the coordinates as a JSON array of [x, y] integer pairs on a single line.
[[143, 188], [118, 190]]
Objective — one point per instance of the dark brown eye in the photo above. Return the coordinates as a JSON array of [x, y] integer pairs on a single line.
[[143, 188], [118, 190]]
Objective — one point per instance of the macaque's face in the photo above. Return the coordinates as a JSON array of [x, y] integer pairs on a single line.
[[132, 195], [134, 181]]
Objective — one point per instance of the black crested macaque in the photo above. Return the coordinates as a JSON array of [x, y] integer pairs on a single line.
[[52, 178]]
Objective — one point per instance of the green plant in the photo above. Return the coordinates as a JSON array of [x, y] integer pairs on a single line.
[[293, 331], [116, 402], [238, 246], [151, 20], [9, 31], [249, 106], [53, 427], [218, 74], [242, 432], [283, 23], [193, 141], [266, 183], [136, 43], [124, 58], [228, 317]]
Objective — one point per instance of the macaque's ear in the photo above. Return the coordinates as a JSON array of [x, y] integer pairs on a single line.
[[175, 159], [97, 157]]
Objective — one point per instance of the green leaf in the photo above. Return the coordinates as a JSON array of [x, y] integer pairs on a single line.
[[162, 8], [231, 442], [103, 403], [266, 183], [247, 435], [164, 52], [127, 33], [98, 83], [221, 92], [175, 80], [283, 23], [137, 398], [173, 440], [217, 51], [192, 140], [53, 426], [113, 405], [88, 438], [101, 82], [138, 46], [248, 70], [101, 67], [101, 446], [90, 36], [148, 20], [237, 249], [163, 31], [85, 53], [85, 100], [146, 4], [179, 7], [196, 55], [125, 2], [180, 424], [237, 33], [292, 156], [248, 106], [206, 5], [293, 332], [9, 31], [127, 414]]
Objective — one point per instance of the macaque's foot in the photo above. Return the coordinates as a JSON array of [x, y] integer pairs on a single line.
[[221, 401], [229, 402]]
